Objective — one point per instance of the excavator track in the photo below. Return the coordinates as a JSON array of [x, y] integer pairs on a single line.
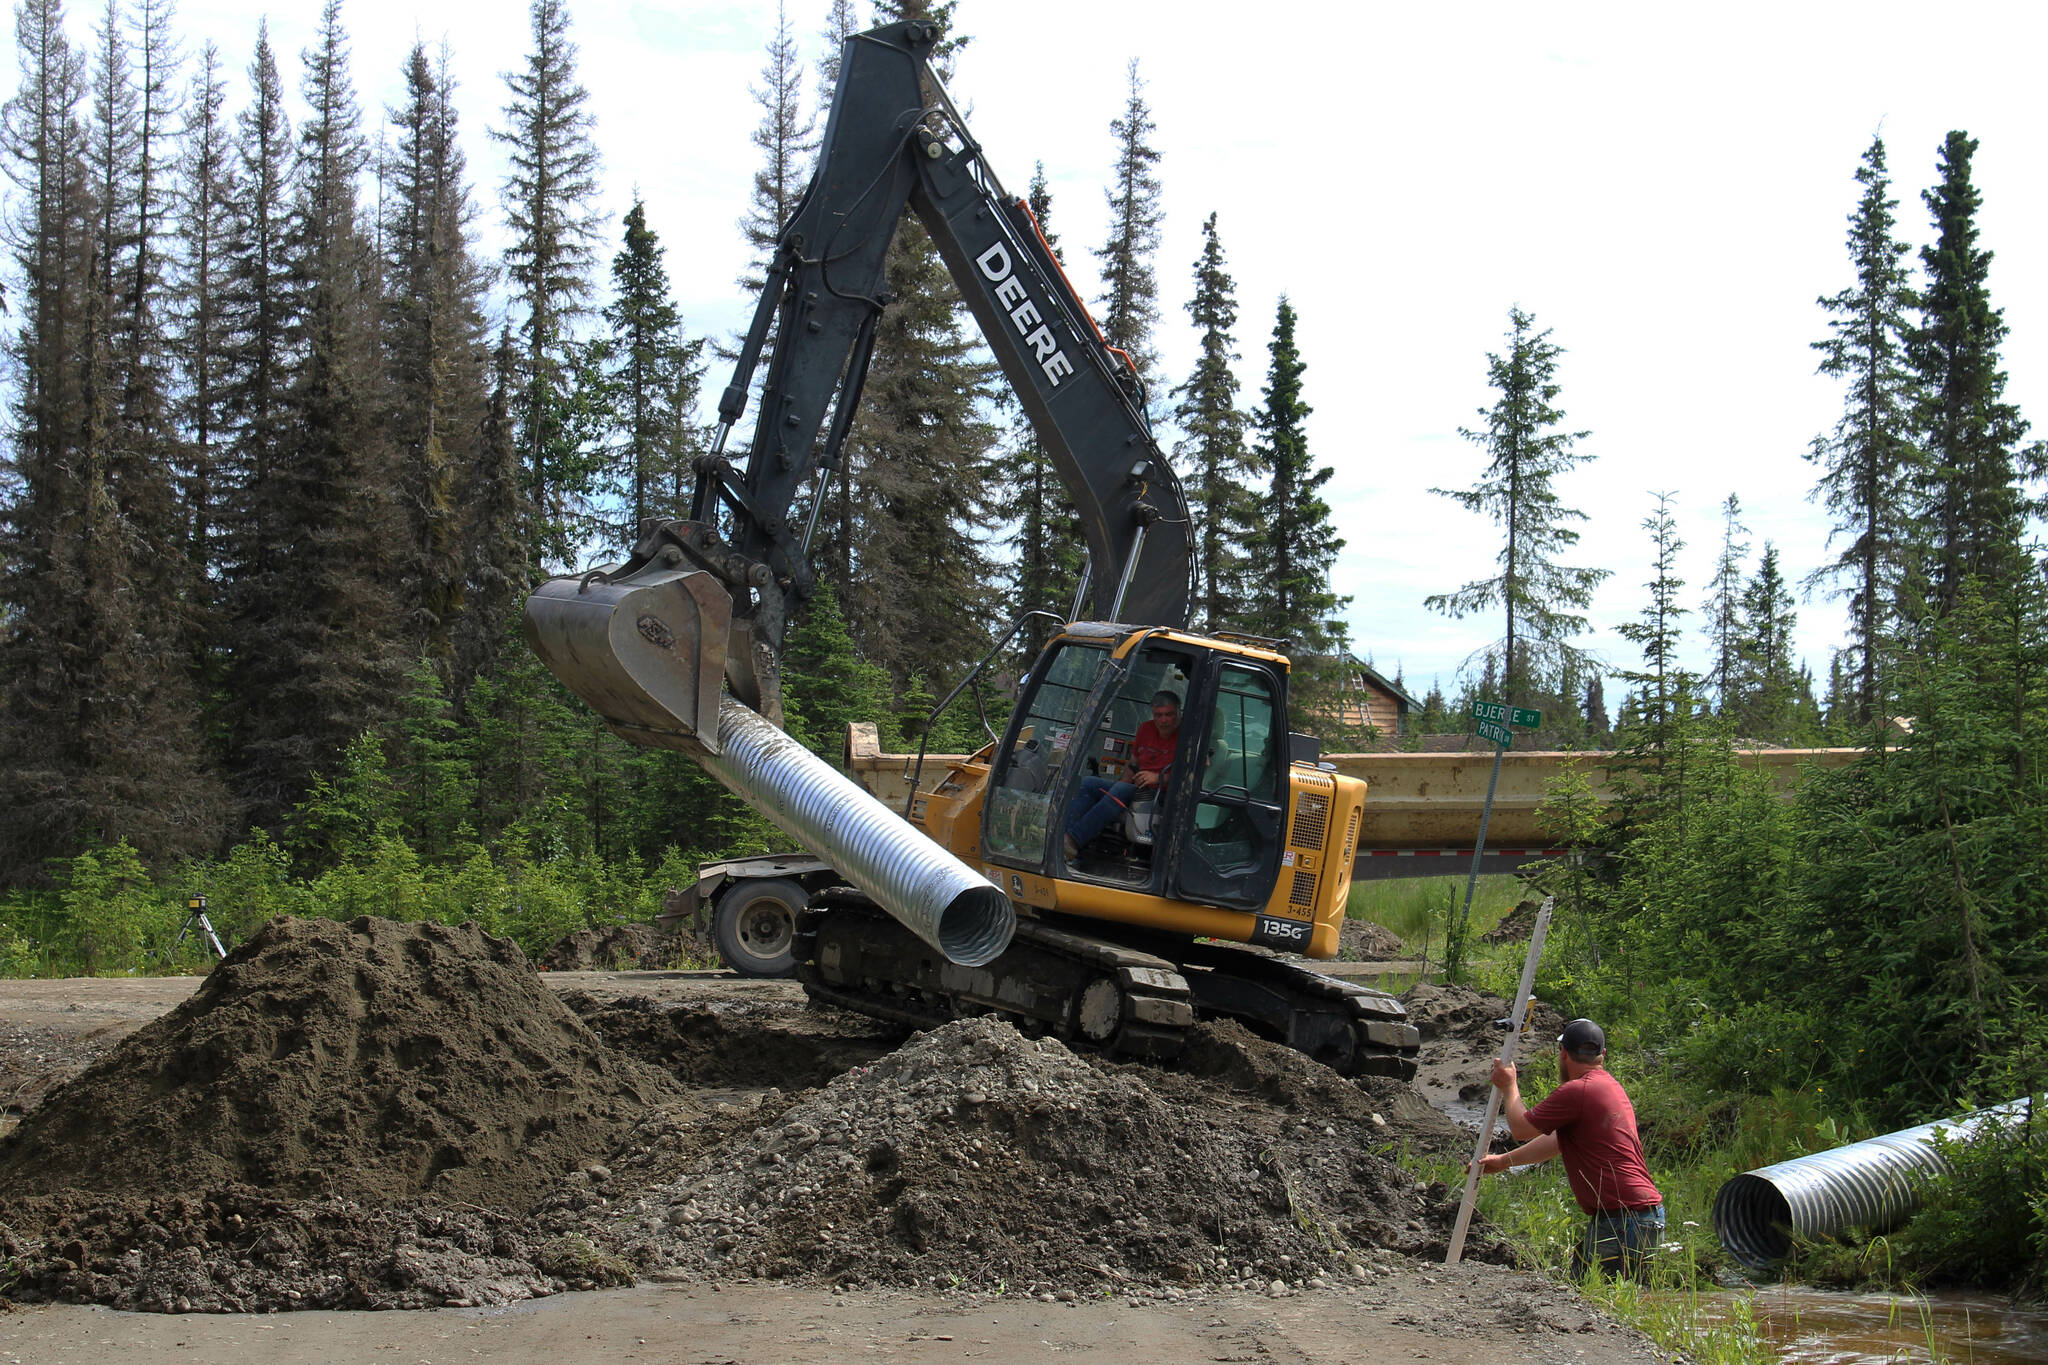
[[1095, 992], [1353, 1029], [1082, 989]]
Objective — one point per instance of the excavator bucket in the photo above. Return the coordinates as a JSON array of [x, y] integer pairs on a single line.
[[647, 653]]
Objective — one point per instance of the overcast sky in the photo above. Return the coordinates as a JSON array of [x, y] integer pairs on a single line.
[[1664, 187]]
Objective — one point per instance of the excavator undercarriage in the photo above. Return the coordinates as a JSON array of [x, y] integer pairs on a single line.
[[1096, 992]]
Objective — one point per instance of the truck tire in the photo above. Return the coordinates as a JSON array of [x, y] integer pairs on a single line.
[[754, 925]]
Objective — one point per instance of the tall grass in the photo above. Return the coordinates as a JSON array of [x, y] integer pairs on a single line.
[[1677, 1303], [1417, 908]]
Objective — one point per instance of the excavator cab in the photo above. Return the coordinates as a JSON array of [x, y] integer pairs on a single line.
[[1212, 833]]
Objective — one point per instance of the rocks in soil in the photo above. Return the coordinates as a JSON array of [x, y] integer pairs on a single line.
[[1224, 1052], [373, 1060], [1361, 940], [974, 1155], [239, 1250]]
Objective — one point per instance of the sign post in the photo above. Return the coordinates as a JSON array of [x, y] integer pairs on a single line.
[[1493, 719]]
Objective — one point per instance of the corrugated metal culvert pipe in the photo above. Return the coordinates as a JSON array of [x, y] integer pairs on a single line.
[[1874, 1184], [932, 893]]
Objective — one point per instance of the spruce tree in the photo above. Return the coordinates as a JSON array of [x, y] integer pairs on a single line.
[[1130, 288], [914, 576], [323, 662], [841, 23], [1657, 631], [646, 347], [258, 358], [1656, 729], [1594, 709], [433, 352], [1971, 434], [98, 709], [1543, 600], [1723, 606], [499, 564], [1295, 543], [207, 191], [1767, 684], [549, 194], [786, 136], [1870, 463], [826, 682], [1214, 449]]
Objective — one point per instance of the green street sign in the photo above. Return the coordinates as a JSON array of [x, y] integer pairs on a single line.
[[1501, 714], [1499, 734]]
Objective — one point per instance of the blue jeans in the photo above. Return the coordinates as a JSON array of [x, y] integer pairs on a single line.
[[1618, 1241], [1100, 800]]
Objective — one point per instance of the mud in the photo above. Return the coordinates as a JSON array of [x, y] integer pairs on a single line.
[[1461, 1038], [374, 1060]]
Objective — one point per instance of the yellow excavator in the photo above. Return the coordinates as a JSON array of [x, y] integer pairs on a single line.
[[1208, 888]]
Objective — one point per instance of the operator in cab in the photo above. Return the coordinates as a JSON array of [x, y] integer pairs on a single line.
[[1589, 1121], [1102, 799]]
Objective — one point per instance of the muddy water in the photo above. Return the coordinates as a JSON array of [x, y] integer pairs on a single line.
[[1820, 1327]]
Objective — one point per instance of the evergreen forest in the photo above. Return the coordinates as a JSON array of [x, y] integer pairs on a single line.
[[285, 450]]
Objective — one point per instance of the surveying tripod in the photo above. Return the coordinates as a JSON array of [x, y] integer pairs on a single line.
[[196, 921]]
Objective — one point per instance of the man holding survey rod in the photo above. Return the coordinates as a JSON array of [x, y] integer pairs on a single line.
[[1589, 1121]]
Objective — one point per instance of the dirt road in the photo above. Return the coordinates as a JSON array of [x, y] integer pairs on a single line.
[[1475, 1315]]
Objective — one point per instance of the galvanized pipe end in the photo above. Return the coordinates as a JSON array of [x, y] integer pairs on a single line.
[[1753, 1219], [976, 926]]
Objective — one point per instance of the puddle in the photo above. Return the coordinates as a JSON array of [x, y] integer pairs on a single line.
[[1821, 1327]]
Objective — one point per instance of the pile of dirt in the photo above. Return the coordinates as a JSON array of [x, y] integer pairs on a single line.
[[374, 1060], [626, 947], [1516, 925], [1227, 1053], [976, 1156], [1461, 1037], [1361, 940], [706, 1047], [240, 1250]]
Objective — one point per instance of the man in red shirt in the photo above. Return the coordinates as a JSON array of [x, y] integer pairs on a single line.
[[1102, 799], [1589, 1121]]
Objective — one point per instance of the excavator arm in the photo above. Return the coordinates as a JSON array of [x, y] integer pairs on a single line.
[[704, 599]]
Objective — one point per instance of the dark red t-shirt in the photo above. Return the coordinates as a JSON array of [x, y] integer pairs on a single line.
[[1596, 1137], [1152, 752]]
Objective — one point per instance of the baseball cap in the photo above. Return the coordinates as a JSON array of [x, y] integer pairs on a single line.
[[1583, 1039]]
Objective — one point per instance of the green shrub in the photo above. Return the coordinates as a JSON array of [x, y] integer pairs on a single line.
[[113, 911], [1984, 1223]]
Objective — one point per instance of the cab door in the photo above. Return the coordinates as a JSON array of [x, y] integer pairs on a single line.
[[1229, 835]]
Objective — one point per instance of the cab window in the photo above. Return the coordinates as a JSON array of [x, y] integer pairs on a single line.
[[1020, 793]]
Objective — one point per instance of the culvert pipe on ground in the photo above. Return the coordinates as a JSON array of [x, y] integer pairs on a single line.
[[1875, 1184], [929, 891]]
